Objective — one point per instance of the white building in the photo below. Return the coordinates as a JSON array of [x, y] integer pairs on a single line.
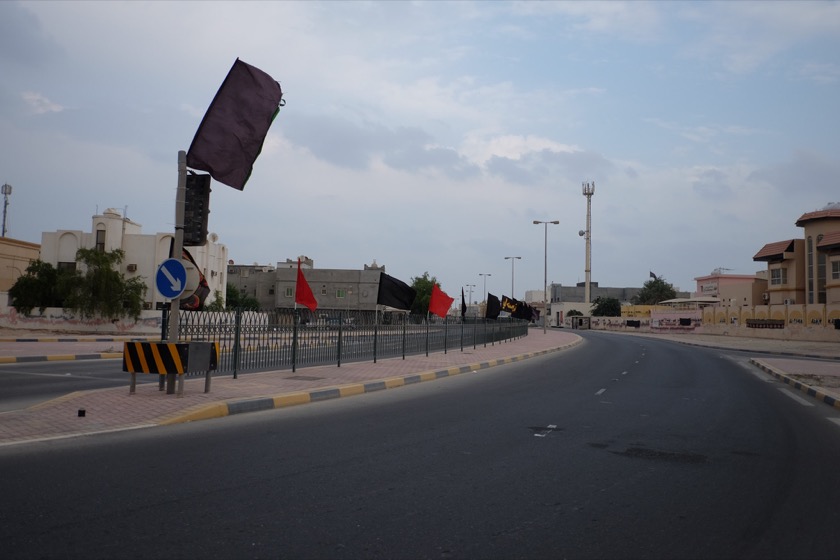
[[143, 253]]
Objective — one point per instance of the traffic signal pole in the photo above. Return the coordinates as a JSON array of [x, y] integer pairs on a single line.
[[178, 246], [177, 252]]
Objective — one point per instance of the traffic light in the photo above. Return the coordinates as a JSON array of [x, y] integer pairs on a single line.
[[196, 209]]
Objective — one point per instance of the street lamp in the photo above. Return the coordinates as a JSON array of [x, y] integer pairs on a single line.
[[469, 302], [545, 277], [512, 260], [485, 283]]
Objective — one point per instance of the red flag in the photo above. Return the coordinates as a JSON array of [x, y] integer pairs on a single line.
[[439, 303], [303, 293]]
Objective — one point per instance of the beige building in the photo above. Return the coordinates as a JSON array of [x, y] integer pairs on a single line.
[[143, 252], [732, 289], [15, 256], [806, 271]]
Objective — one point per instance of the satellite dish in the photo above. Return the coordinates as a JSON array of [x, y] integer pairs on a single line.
[[581, 233], [213, 237]]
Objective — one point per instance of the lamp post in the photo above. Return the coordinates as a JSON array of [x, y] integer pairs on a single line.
[[485, 283], [545, 277], [512, 259], [469, 302]]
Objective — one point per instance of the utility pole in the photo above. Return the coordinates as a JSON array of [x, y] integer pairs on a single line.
[[7, 190], [588, 191]]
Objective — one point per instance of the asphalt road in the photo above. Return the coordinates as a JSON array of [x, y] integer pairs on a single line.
[[620, 448]]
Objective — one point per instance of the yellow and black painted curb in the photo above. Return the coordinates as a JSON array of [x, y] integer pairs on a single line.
[[798, 385], [284, 400]]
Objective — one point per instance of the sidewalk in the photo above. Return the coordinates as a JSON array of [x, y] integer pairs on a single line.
[[106, 410]]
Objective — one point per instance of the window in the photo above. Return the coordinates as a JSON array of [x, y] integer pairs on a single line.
[[778, 276], [341, 293], [100, 240], [835, 270], [68, 266], [323, 291], [290, 292]]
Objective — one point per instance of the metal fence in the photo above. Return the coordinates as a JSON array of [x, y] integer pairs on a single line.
[[291, 338]]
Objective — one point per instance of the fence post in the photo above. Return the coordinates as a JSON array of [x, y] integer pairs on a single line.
[[427, 337], [375, 333], [338, 344], [295, 322], [405, 318], [445, 333], [237, 327]]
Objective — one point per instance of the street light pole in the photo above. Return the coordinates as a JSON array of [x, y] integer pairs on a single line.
[[485, 283], [470, 286], [545, 277], [512, 259]]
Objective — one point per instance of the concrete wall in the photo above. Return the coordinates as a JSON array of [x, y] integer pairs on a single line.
[[59, 320]]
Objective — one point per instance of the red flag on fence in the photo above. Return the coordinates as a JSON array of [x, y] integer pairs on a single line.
[[303, 293], [439, 303]]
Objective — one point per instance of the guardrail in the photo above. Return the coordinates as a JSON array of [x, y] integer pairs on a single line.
[[290, 338]]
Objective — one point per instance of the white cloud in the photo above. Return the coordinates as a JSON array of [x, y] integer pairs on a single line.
[[39, 104]]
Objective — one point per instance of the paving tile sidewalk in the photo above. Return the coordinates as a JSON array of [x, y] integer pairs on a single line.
[[115, 409]]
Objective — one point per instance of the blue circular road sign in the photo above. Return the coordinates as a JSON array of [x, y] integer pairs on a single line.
[[171, 278]]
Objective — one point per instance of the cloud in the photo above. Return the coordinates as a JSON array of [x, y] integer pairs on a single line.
[[38, 104]]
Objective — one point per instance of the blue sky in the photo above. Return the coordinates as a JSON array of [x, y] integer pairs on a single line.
[[429, 135]]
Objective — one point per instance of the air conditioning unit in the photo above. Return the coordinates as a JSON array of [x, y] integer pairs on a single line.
[[131, 268]]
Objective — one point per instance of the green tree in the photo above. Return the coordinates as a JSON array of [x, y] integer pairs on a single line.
[[574, 313], [423, 285], [653, 291], [102, 289], [606, 307], [217, 304], [39, 287], [236, 299]]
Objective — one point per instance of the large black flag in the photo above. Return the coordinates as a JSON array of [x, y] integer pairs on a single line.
[[463, 304], [394, 293], [509, 304], [232, 132], [494, 307]]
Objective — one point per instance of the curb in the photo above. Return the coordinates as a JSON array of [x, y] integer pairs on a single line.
[[807, 389], [60, 357], [284, 400]]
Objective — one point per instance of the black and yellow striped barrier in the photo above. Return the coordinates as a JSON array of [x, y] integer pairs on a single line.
[[170, 358]]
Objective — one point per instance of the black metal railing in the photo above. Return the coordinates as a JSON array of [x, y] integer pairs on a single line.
[[292, 338]]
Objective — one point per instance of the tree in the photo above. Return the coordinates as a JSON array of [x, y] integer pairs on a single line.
[[653, 291], [236, 299], [39, 287], [217, 304], [574, 313], [423, 285], [606, 307], [102, 289]]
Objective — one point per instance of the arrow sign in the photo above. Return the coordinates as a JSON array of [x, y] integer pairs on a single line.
[[171, 278]]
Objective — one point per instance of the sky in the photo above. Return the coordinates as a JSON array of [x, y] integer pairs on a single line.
[[428, 136]]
